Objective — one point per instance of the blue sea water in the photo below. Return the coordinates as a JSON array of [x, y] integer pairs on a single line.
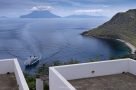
[[55, 39]]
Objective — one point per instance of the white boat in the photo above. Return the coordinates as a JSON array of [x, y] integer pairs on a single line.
[[32, 60]]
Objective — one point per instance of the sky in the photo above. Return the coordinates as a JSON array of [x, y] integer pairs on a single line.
[[15, 8]]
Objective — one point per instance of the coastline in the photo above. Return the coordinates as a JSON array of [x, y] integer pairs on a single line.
[[132, 47]]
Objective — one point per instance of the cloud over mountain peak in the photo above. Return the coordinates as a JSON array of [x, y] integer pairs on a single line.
[[41, 8]]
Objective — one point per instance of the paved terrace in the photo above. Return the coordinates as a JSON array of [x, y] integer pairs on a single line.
[[8, 82], [125, 81], [103, 75], [13, 81]]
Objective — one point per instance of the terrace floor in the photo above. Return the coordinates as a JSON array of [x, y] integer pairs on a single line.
[[8, 82], [125, 81]]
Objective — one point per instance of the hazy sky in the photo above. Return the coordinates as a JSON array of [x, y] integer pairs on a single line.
[[14, 8]]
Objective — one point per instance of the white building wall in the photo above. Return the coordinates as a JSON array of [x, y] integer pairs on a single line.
[[19, 76], [12, 66], [39, 84], [59, 75], [57, 82], [6, 65], [132, 66], [101, 68]]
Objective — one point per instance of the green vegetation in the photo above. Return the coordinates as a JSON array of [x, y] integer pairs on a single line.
[[121, 26], [31, 81], [132, 56], [43, 71]]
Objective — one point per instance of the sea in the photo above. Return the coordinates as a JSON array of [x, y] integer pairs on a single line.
[[55, 39]]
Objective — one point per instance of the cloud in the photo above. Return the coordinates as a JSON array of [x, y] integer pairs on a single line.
[[92, 12], [66, 7], [89, 10], [34, 8], [41, 8]]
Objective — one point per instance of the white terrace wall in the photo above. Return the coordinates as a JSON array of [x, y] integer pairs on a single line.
[[59, 75], [19, 76], [132, 66], [57, 82], [6, 65], [77, 71], [12, 65]]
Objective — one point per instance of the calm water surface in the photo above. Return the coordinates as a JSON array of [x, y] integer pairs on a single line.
[[55, 39]]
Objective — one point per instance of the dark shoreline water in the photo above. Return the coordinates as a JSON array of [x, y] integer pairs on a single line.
[[55, 39]]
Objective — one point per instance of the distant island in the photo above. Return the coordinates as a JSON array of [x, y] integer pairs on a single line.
[[85, 16], [40, 14], [48, 14], [121, 27]]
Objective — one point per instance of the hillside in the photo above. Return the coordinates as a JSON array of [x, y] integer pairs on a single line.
[[40, 14], [121, 26]]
